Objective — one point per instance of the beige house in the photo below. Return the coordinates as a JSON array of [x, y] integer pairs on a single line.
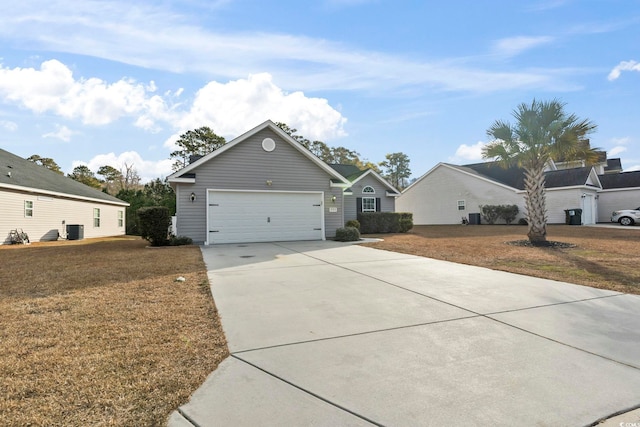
[[46, 205], [448, 193]]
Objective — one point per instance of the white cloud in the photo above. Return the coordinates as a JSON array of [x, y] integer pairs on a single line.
[[616, 150], [62, 132], [515, 45], [234, 107], [148, 170], [623, 66], [466, 153], [9, 125], [632, 168], [53, 88], [157, 37]]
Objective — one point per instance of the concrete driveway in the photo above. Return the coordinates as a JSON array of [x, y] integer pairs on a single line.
[[327, 334]]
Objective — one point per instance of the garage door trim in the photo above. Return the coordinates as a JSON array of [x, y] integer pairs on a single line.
[[209, 203]]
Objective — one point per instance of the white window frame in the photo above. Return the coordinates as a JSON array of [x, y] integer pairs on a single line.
[[368, 190], [462, 205], [96, 217], [28, 208], [120, 219], [368, 209]]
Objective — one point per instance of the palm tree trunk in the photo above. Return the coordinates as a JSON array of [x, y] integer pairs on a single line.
[[536, 205]]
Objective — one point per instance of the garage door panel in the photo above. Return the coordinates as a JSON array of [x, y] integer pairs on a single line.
[[236, 217]]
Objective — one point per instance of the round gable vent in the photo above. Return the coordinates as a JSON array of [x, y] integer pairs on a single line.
[[268, 144]]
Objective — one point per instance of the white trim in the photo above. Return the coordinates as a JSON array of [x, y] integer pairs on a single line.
[[610, 190], [184, 180], [270, 125], [380, 178], [374, 204], [226, 190], [388, 194], [32, 190]]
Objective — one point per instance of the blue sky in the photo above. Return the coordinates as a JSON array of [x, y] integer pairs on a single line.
[[115, 82]]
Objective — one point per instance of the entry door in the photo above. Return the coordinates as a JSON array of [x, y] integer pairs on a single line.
[[268, 216]]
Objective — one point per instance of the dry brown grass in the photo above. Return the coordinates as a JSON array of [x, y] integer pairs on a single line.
[[607, 258], [98, 332]]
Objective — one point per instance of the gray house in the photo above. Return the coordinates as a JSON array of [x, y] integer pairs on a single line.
[[262, 186], [368, 191], [42, 203]]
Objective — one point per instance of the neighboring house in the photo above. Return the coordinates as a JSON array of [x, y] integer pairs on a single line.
[[447, 193], [368, 191], [42, 203], [619, 191], [262, 186]]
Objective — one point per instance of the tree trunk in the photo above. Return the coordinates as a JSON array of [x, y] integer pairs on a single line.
[[535, 202]]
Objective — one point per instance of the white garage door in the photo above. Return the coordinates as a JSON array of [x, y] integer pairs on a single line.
[[268, 216]]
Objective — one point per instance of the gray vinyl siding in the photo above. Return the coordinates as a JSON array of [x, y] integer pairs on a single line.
[[387, 204], [51, 215], [246, 166]]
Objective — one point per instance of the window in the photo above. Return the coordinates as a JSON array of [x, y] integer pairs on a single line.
[[120, 218], [461, 205], [368, 204], [368, 189], [28, 208], [96, 217]]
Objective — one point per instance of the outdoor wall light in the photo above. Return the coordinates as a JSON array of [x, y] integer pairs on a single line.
[[193, 197], [333, 199], [269, 182]]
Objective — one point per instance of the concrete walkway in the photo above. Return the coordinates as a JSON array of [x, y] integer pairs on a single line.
[[328, 334]]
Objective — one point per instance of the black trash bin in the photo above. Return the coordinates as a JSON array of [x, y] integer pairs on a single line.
[[75, 232], [474, 219], [573, 216]]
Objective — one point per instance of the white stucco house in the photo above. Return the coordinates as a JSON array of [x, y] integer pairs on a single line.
[[43, 204]]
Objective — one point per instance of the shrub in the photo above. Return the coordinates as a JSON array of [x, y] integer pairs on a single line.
[[347, 234], [523, 221], [508, 212], [353, 223], [385, 222], [154, 224], [180, 240], [406, 224], [489, 213]]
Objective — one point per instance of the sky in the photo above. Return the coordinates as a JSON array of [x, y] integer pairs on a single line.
[[116, 82]]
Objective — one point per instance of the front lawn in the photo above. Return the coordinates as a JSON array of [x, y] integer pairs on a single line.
[[98, 332]]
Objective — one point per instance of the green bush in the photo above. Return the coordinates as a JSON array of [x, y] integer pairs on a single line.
[[523, 221], [154, 224], [491, 213], [508, 212], [353, 223], [180, 240], [385, 222], [347, 234], [406, 224]]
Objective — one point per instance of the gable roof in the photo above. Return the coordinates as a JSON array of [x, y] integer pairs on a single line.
[[513, 177], [620, 180], [337, 178], [21, 174], [354, 174]]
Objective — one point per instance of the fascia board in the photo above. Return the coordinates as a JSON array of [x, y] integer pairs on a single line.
[[58, 194]]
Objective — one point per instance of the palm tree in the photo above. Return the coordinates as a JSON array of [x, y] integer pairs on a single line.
[[542, 132]]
